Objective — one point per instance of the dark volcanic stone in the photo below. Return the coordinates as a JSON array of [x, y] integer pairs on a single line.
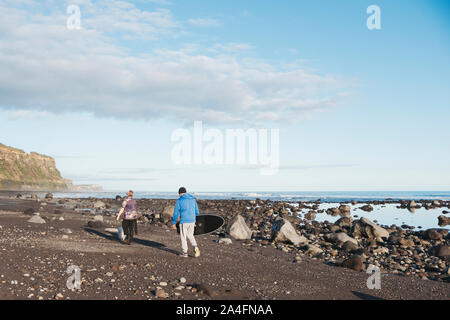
[[354, 263]]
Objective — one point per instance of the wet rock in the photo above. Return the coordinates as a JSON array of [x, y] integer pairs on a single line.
[[238, 229], [355, 263], [364, 228], [333, 211], [49, 196], [443, 221], [367, 208], [283, 231], [344, 208]]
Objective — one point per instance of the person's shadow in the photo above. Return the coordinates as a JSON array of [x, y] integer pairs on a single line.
[[365, 296], [112, 236]]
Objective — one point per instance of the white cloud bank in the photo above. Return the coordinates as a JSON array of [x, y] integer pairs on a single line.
[[45, 67]]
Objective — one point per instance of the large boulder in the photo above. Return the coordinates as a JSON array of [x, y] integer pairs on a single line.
[[364, 228], [340, 237], [283, 231], [238, 229]]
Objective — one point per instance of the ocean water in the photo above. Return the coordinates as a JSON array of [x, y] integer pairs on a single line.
[[386, 215], [325, 196]]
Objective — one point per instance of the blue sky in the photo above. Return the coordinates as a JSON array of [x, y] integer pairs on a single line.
[[357, 109]]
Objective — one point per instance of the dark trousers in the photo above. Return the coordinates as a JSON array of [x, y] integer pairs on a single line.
[[129, 228]]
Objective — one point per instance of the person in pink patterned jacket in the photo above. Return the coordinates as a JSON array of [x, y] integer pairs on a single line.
[[129, 215]]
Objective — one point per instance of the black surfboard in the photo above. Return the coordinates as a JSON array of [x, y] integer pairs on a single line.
[[205, 223]]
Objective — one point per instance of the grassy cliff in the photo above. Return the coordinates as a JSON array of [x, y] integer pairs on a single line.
[[20, 170]]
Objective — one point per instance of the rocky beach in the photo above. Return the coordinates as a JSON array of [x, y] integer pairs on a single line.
[[265, 250]]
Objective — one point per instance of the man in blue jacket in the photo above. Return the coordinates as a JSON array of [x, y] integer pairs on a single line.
[[186, 207]]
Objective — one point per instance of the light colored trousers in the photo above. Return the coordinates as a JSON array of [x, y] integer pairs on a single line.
[[187, 232]]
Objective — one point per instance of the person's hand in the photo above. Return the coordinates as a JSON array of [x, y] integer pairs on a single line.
[[174, 227]]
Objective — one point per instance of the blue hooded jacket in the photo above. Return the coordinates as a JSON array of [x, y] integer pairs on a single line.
[[186, 206]]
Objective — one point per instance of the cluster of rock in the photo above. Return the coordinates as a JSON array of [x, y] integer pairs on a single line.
[[354, 244]]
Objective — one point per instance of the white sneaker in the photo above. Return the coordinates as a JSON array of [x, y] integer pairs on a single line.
[[197, 252]]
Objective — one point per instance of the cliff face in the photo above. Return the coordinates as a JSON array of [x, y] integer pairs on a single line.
[[22, 171]]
